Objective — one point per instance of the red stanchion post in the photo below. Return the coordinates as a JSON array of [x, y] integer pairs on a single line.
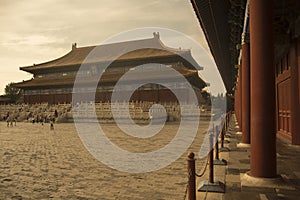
[[222, 137], [228, 119], [224, 149], [217, 142], [191, 191], [217, 160], [225, 122], [210, 185], [211, 159]]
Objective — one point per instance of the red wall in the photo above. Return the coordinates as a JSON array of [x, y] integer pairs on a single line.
[[162, 95], [288, 91]]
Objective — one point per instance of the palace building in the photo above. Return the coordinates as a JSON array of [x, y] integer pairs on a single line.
[[53, 81]]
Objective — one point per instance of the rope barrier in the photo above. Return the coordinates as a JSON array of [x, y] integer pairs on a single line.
[[186, 189], [204, 169], [192, 174]]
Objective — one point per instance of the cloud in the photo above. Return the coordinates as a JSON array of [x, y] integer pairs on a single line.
[[37, 31], [31, 40]]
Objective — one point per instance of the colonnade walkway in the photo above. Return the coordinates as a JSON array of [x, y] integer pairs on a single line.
[[238, 186]]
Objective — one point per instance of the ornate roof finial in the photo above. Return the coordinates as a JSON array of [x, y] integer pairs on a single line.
[[156, 35], [74, 45]]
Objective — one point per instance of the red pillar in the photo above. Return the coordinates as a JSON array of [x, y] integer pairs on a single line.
[[262, 83], [246, 91], [238, 99], [236, 103]]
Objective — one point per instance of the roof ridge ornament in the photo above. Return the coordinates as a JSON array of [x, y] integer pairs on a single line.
[[156, 35], [74, 46]]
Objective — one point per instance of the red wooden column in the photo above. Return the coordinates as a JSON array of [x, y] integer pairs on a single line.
[[246, 89], [236, 102], [238, 99], [262, 86]]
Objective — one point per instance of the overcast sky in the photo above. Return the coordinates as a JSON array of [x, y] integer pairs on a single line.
[[35, 31]]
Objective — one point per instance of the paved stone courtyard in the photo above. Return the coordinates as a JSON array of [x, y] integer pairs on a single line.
[[36, 163]]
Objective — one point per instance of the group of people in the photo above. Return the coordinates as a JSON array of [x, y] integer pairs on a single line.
[[42, 120], [10, 120]]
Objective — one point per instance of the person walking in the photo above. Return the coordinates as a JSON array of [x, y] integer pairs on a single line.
[[15, 120], [7, 120], [52, 124]]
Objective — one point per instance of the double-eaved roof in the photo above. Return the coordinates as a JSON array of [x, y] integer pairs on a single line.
[[122, 54], [150, 49]]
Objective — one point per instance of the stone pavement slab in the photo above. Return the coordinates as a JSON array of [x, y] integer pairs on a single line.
[[36, 163]]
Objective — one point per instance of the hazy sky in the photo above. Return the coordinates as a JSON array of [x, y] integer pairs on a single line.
[[35, 31]]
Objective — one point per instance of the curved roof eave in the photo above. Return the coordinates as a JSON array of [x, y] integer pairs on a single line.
[[213, 18], [78, 55]]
